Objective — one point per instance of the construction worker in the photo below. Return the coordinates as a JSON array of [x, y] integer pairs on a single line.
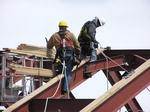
[[67, 48], [87, 38]]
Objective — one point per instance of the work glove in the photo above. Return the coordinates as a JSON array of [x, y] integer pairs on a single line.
[[76, 60], [95, 45], [77, 52], [57, 60]]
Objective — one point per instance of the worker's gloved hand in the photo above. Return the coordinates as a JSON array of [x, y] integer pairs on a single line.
[[76, 60], [56, 60], [95, 41], [57, 66], [95, 45], [77, 52]]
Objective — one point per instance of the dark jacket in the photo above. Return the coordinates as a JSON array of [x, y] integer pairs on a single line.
[[88, 32]]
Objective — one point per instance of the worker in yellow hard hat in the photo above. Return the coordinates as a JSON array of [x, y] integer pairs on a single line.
[[63, 23], [67, 48]]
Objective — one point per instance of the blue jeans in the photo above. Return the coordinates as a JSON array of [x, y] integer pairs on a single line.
[[93, 55], [69, 67]]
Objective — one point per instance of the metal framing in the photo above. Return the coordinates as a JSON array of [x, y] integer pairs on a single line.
[[130, 59]]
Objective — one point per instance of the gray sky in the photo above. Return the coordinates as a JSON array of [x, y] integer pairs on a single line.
[[30, 21]]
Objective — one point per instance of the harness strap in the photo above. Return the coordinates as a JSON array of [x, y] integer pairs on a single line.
[[68, 42]]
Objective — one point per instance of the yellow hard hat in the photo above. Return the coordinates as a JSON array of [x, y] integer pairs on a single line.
[[63, 23]]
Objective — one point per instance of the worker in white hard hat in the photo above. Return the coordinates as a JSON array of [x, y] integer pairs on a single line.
[[87, 40]]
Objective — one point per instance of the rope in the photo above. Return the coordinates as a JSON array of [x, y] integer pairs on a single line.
[[114, 62], [54, 92], [120, 110], [64, 64], [107, 74], [148, 89], [107, 70], [52, 96], [111, 59]]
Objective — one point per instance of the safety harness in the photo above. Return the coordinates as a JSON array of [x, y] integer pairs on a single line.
[[65, 52], [68, 42]]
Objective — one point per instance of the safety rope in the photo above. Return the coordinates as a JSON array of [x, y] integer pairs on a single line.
[[115, 62], [107, 70], [63, 69], [52, 95], [120, 110], [107, 74], [148, 89], [64, 65]]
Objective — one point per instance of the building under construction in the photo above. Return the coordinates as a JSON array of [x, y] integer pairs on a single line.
[[28, 83]]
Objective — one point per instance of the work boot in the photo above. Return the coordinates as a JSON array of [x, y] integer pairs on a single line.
[[65, 95], [63, 92], [92, 61]]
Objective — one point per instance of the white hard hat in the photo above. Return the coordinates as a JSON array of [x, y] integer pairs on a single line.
[[102, 21]]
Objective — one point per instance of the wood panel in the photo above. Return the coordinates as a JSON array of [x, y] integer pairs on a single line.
[[32, 71]]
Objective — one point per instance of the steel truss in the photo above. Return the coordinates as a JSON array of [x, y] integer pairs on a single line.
[[127, 59]]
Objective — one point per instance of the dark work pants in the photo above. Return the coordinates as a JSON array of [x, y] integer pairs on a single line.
[[88, 50]]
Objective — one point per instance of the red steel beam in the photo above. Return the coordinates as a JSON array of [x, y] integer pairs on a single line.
[[127, 93], [79, 77], [93, 68], [114, 77]]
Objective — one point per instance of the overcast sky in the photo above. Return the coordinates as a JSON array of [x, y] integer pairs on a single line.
[[30, 21]]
